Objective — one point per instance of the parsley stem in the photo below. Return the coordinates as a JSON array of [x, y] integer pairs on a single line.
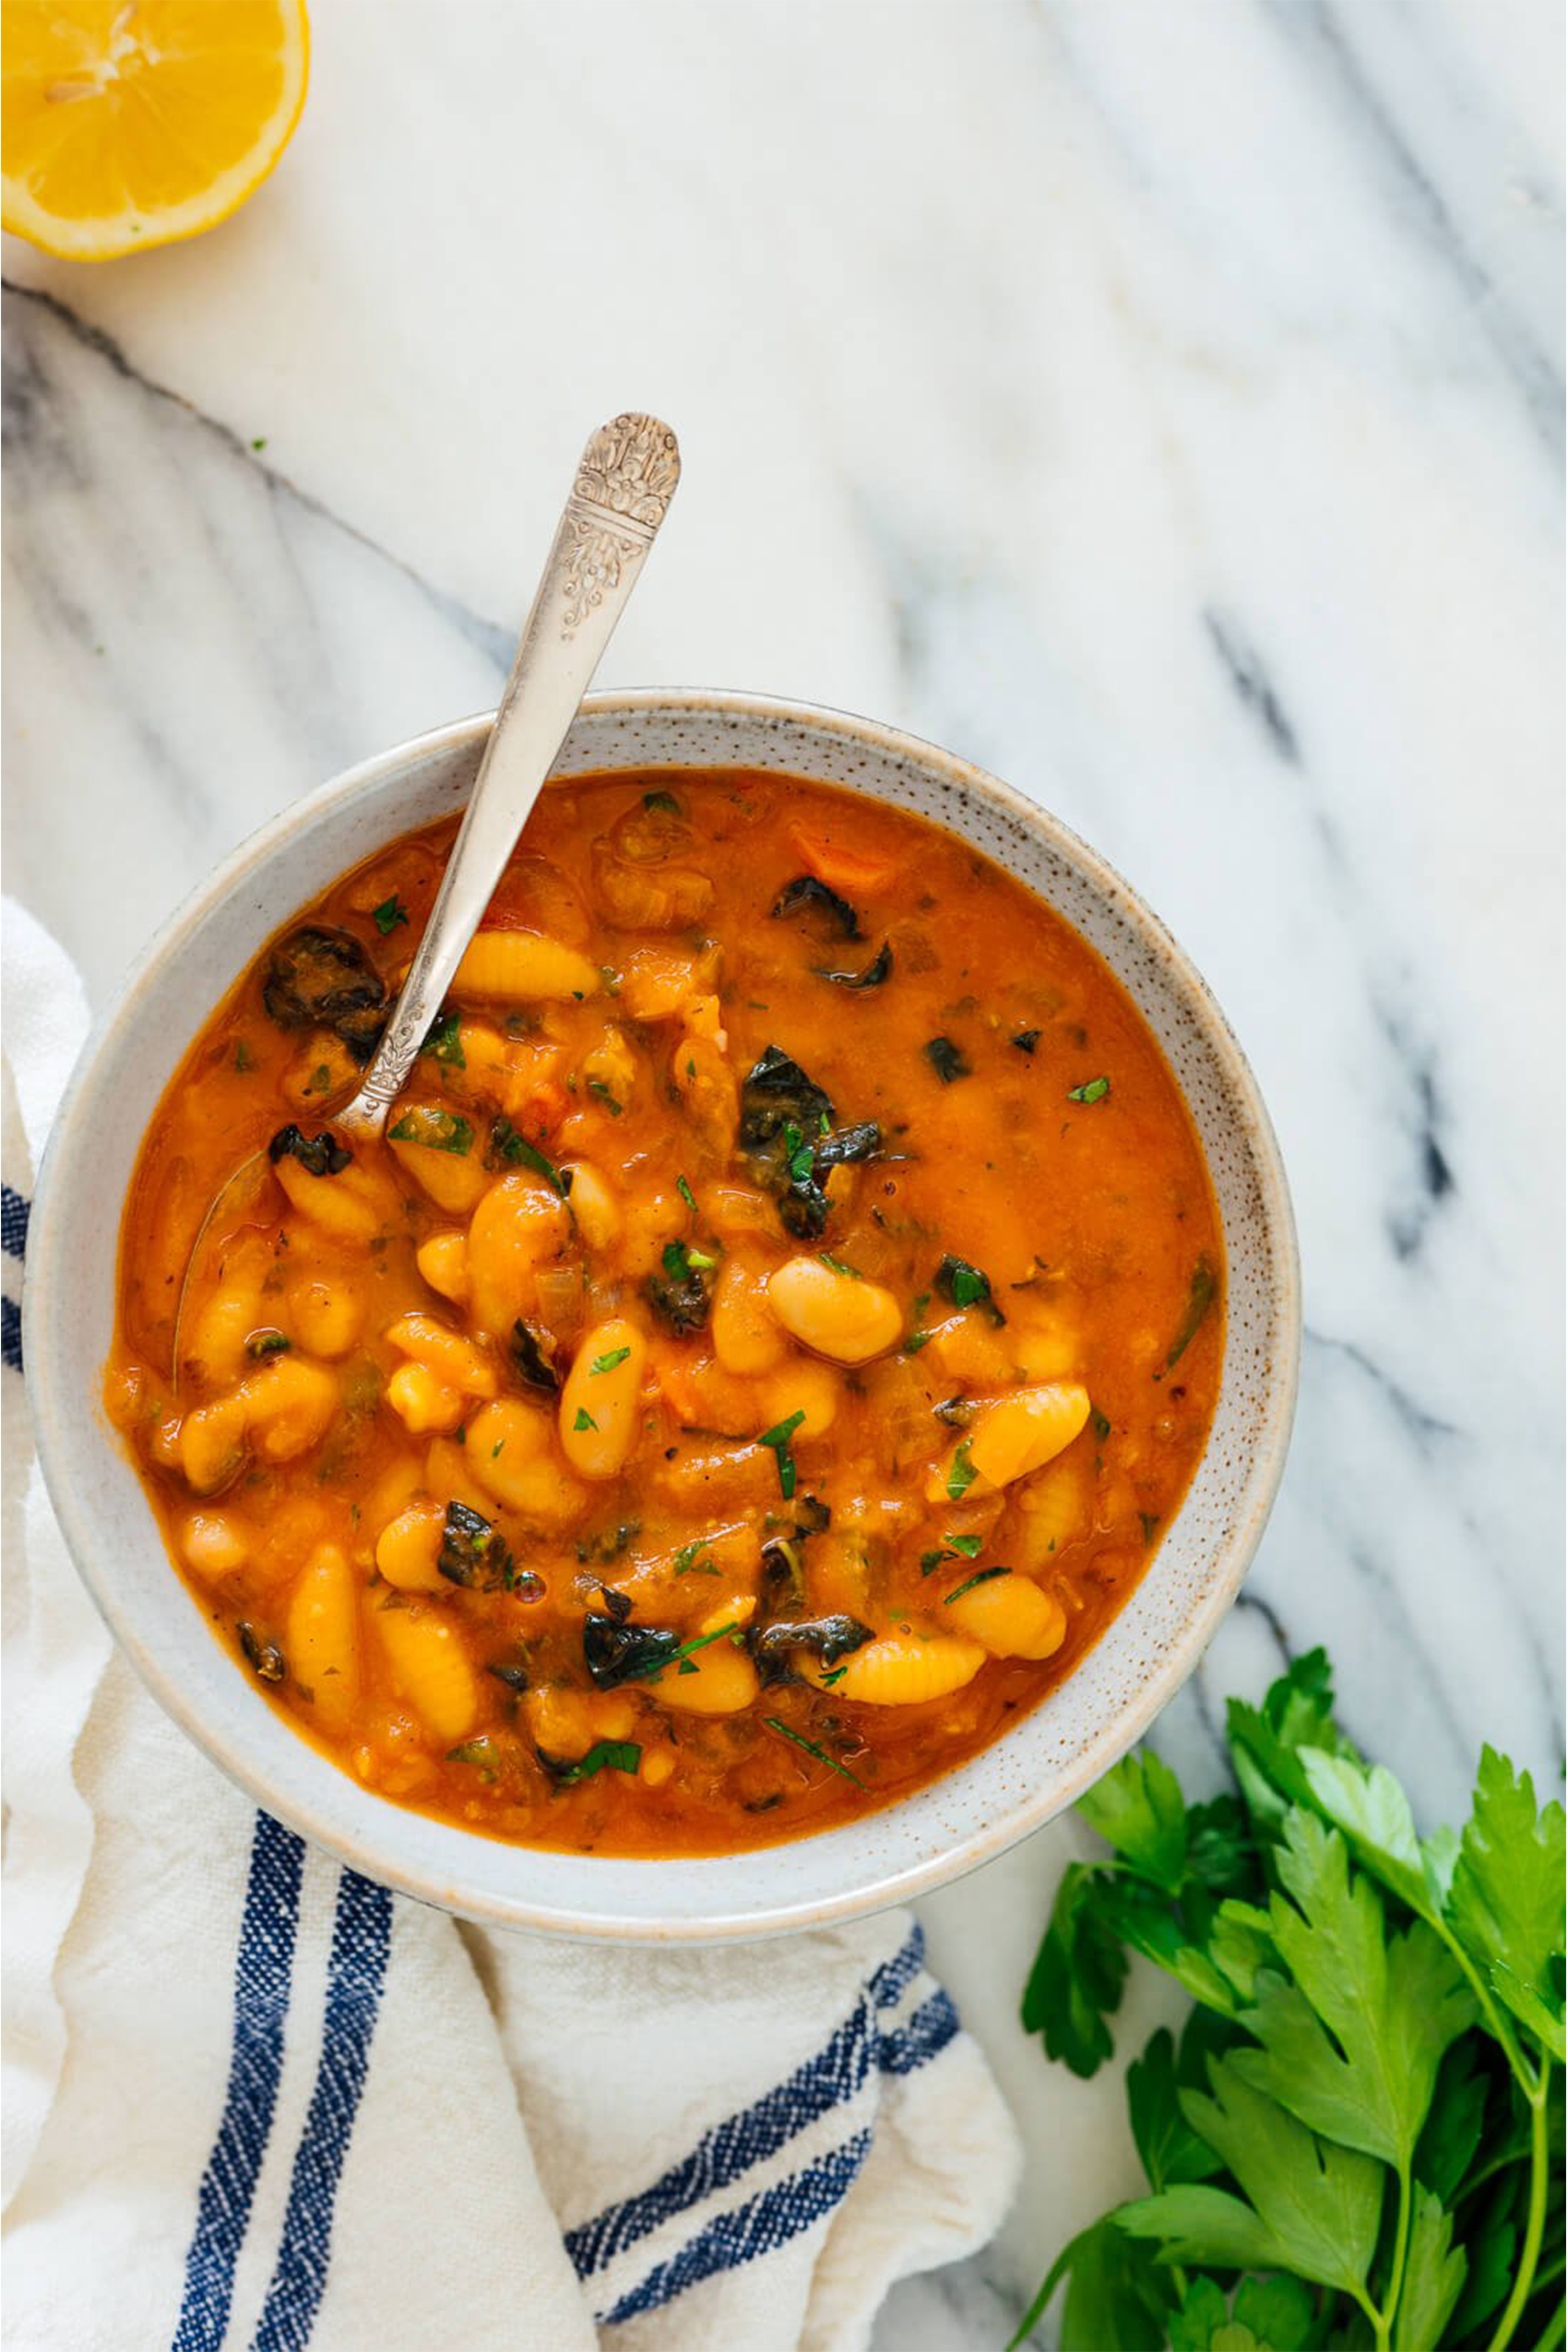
[[1555, 2326], [1401, 2249], [1535, 2223]]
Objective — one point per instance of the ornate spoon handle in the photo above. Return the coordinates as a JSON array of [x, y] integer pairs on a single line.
[[624, 483]]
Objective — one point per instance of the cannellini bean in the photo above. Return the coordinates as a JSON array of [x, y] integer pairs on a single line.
[[521, 1224], [455, 1361], [213, 1544], [559, 1722], [322, 1638], [518, 966], [746, 1337], [804, 1386], [407, 1547], [601, 1400], [902, 1669], [503, 1441], [444, 1263], [724, 1680], [964, 1348], [430, 1669], [611, 1068], [448, 1478], [424, 1404], [842, 1316], [327, 1317], [593, 1205], [1048, 1351], [289, 1406], [1010, 1617], [212, 1444]]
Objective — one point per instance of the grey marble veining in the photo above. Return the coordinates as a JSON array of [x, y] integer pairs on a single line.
[[1162, 407]]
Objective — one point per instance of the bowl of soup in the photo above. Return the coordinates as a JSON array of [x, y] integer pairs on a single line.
[[787, 1400]]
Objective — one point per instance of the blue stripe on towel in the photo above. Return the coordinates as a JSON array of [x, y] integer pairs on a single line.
[[15, 1212], [834, 2076], [920, 2038], [262, 1965], [895, 1976], [11, 1333], [361, 1941], [825, 2082], [764, 2223]]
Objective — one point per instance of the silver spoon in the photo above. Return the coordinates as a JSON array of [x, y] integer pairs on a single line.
[[625, 480]]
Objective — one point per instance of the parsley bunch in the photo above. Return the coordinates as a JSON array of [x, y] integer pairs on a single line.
[[1357, 2138]]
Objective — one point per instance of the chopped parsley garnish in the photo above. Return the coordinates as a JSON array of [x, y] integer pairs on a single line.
[[605, 1755], [436, 1130], [840, 1266], [961, 1474], [966, 1285], [601, 1093], [1095, 1090], [695, 1559], [686, 1193], [799, 1157], [608, 1364], [1026, 1040], [679, 1260], [516, 1151], [446, 1041], [388, 915], [585, 1420], [981, 1576], [946, 1060], [1200, 1298], [952, 1548], [825, 1682], [777, 1440], [799, 1741]]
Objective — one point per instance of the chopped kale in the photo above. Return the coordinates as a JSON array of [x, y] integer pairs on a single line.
[[322, 979], [1026, 1040], [532, 1354], [265, 1658], [842, 1145], [681, 1291], [516, 1677], [806, 894], [875, 972], [266, 1343], [615, 1652], [946, 1060], [788, 1135], [776, 1648], [665, 800], [472, 1553], [320, 1155]]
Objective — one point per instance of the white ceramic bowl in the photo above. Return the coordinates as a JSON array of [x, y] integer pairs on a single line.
[[1032, 1772]]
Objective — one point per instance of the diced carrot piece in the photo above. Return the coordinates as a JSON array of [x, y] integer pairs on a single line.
[[841, 868]]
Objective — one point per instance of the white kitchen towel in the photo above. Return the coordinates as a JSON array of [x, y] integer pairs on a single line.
[[252, 2099]]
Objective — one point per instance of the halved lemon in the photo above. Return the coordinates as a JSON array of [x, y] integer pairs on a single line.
[[127, 123]]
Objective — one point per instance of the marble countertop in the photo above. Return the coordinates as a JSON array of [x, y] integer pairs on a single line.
[[1161, 407]]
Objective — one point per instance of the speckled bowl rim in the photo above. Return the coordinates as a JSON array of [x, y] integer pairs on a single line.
[[53, 1402]]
